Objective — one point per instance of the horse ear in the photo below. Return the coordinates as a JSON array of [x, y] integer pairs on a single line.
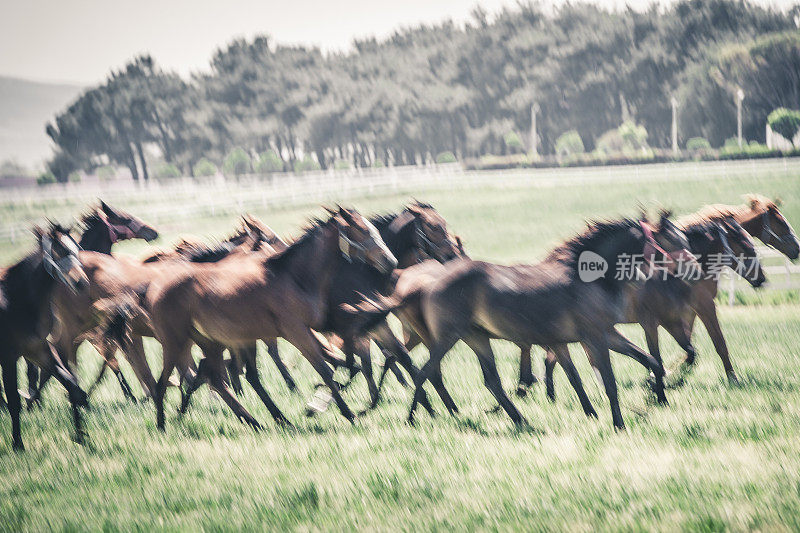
[[38, 232], [107, 210], [415, 209], [753, 201], [778, 201]]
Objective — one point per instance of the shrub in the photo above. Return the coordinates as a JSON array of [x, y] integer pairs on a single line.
[[74, 177], [342, 164], [445, 157], [785, 122], [237, 163], [513, 142], [634, 136], [731, 143], [609, 143], [305, 164], [378, 163], [269, 161], [696, 144], [204, 168], [106, 172], [12, 169], [166, 171], [569, 143], [46, 178]]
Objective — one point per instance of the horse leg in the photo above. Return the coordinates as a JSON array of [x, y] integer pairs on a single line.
[[66, 352], [601, 360], [680, 332], [708, 315], [3, 404], [32, 372], [360, 346], [491, 378], [252, 376], [412, 338], [193, 382], [106, 350], [235, 365], [431, 368], [620, 344], [394, 350], [561, 353], [14, 403], [313, 350], [272, 350], [216, 374], [77, 397], [526, 377], [550, 361], [137, 358], [98, 379]]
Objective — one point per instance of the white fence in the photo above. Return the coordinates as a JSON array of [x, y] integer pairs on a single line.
[[782, 275], [177, 198]]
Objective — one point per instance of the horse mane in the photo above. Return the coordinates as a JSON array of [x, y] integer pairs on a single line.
[[279, 259], [383, 221], [716, 212], [89, 218], [597, 230]]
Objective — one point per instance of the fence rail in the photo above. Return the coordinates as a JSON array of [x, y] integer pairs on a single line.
[[183, 197], [260, 191]]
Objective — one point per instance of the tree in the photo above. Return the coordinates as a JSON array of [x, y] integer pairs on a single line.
[[569, 143], [785, 122]]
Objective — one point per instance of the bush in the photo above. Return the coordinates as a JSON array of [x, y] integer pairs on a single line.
[[105, 173], [166, 171], [697, 144], [445, 157], [609, 143], [237, 163], [269, 161], [569, 143], [12, 169], [513, 142], [785, 122], [204, 168], [46, 178], [342, 164], [74, 177], [634, 136], [306, 164], [731, 143]]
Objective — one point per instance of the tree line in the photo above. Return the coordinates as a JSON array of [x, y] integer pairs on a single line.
[[440, 88]]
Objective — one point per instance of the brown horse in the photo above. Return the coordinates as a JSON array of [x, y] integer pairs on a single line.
[[26, 290], [103, 226], [238, 301], [113, 276], [669, 302], [548, 303]]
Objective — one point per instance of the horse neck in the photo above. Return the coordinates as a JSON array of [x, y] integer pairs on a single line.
[[611, 249], [400, 243], [313, 265], [96, 239], [29, 285], [703, 247], [751, 221]]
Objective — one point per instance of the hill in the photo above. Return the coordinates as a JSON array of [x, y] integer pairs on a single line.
[[25, 108]]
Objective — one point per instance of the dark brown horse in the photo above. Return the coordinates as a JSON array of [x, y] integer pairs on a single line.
[[103, 226], [238, 301], [26, 318], [549, 303], [669, 301]]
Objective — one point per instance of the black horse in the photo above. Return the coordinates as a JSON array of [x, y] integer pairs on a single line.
[[26, 317], [103, 226]]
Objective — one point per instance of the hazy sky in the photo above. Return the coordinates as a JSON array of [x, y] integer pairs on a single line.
[[81, 40]]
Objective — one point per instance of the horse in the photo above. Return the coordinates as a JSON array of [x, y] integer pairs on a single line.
[[415, 233], [669, 301], [549, 303], [259, 296], [26, 318], [112, 276], [103, 226]]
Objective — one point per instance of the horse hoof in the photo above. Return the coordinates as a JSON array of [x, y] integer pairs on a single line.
[[18, 447], [733, 379], [619, 428], [592, 414], [493, 410], [522, 391]]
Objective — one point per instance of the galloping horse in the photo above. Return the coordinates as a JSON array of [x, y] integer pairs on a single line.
[[103, 226], [547, 303], [668, 301], [238, 301], [26, 319]]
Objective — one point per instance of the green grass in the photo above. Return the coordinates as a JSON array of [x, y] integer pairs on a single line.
[[717, 458]]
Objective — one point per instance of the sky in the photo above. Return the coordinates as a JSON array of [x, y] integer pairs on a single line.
[[80, 41]]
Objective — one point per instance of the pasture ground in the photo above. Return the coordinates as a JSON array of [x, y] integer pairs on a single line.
[[717, 458]]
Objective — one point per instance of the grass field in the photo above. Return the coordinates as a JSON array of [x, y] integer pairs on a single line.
[[717, 458]]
